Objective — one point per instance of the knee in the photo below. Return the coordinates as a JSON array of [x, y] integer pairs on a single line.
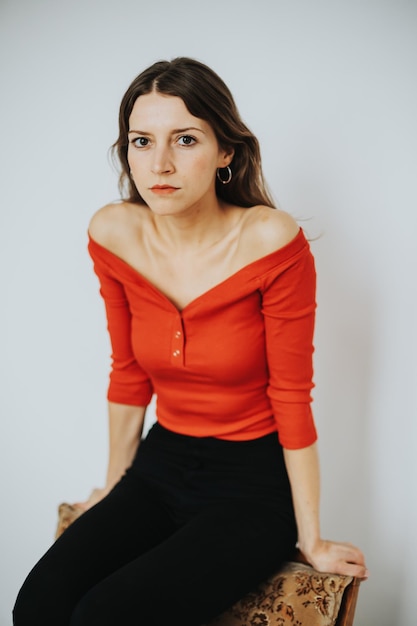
[[21, 611], [81, 615], [93, 610], [88, 612], [25, 611], [42, 600]]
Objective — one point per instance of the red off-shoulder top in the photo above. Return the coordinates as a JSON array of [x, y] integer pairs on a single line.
[[235, 363]]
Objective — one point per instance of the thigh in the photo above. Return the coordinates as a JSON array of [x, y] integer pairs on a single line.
[[196, 573], [127, 523]]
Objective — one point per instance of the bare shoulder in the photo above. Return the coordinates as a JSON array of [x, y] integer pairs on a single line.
[[111, 224], [268, 230]]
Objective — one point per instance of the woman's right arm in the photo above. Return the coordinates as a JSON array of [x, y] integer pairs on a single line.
[[130, 389], [125, 429]]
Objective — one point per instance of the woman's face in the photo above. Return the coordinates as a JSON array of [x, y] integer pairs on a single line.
[[173, 156]]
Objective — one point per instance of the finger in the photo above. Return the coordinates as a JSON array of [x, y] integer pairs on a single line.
[[352, 569], [82, 506]]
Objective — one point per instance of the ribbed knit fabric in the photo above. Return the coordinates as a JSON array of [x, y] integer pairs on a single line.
[[235, 363]]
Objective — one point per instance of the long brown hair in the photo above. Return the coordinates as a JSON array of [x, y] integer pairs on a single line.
[[207, 97]]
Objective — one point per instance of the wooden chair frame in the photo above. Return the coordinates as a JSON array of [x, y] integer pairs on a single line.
[[348, 606]]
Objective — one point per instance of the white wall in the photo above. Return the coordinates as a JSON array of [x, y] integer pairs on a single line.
[[330, 89]]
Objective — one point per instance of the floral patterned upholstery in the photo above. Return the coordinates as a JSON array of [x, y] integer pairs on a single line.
[[297, 595]]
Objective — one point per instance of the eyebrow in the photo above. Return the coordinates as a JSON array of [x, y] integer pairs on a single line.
[[173, 132]]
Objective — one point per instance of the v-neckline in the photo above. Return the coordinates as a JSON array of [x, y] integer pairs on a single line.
[[264, 259]]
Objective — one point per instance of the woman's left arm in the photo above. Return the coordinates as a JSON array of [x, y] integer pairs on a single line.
[[288, 306], [325, 556]]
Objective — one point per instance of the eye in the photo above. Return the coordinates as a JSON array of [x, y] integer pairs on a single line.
[[140, 142], [186, 140]]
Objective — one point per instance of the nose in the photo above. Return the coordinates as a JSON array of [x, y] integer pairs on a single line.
[[162, 161]]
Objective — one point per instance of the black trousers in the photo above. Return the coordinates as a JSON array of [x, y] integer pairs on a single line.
[[194, 525]]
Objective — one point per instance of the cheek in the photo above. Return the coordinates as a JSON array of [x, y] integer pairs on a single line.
[[130, 161], [138, 170], [204, 168]]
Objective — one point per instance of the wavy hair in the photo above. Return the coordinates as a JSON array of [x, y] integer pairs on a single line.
[[207, 97]]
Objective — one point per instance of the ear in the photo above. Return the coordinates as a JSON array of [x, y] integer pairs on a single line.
[[225, 157]]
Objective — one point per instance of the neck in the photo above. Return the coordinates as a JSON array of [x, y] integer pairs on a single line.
[[194, 231]]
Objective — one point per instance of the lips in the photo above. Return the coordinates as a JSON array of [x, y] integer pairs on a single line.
[[163, 189]]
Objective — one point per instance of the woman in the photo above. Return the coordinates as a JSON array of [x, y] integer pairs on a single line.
[[209, 294]]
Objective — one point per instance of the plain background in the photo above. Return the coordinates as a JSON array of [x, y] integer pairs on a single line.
[[329, 87]]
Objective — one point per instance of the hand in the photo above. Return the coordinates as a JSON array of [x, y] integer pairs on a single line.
[[95, 496], [337, 558]]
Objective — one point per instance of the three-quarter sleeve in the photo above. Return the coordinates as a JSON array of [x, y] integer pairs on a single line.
[[288, 306], [129, 383]]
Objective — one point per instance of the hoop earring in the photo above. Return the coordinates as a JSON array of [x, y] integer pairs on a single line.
[[229, 175]]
